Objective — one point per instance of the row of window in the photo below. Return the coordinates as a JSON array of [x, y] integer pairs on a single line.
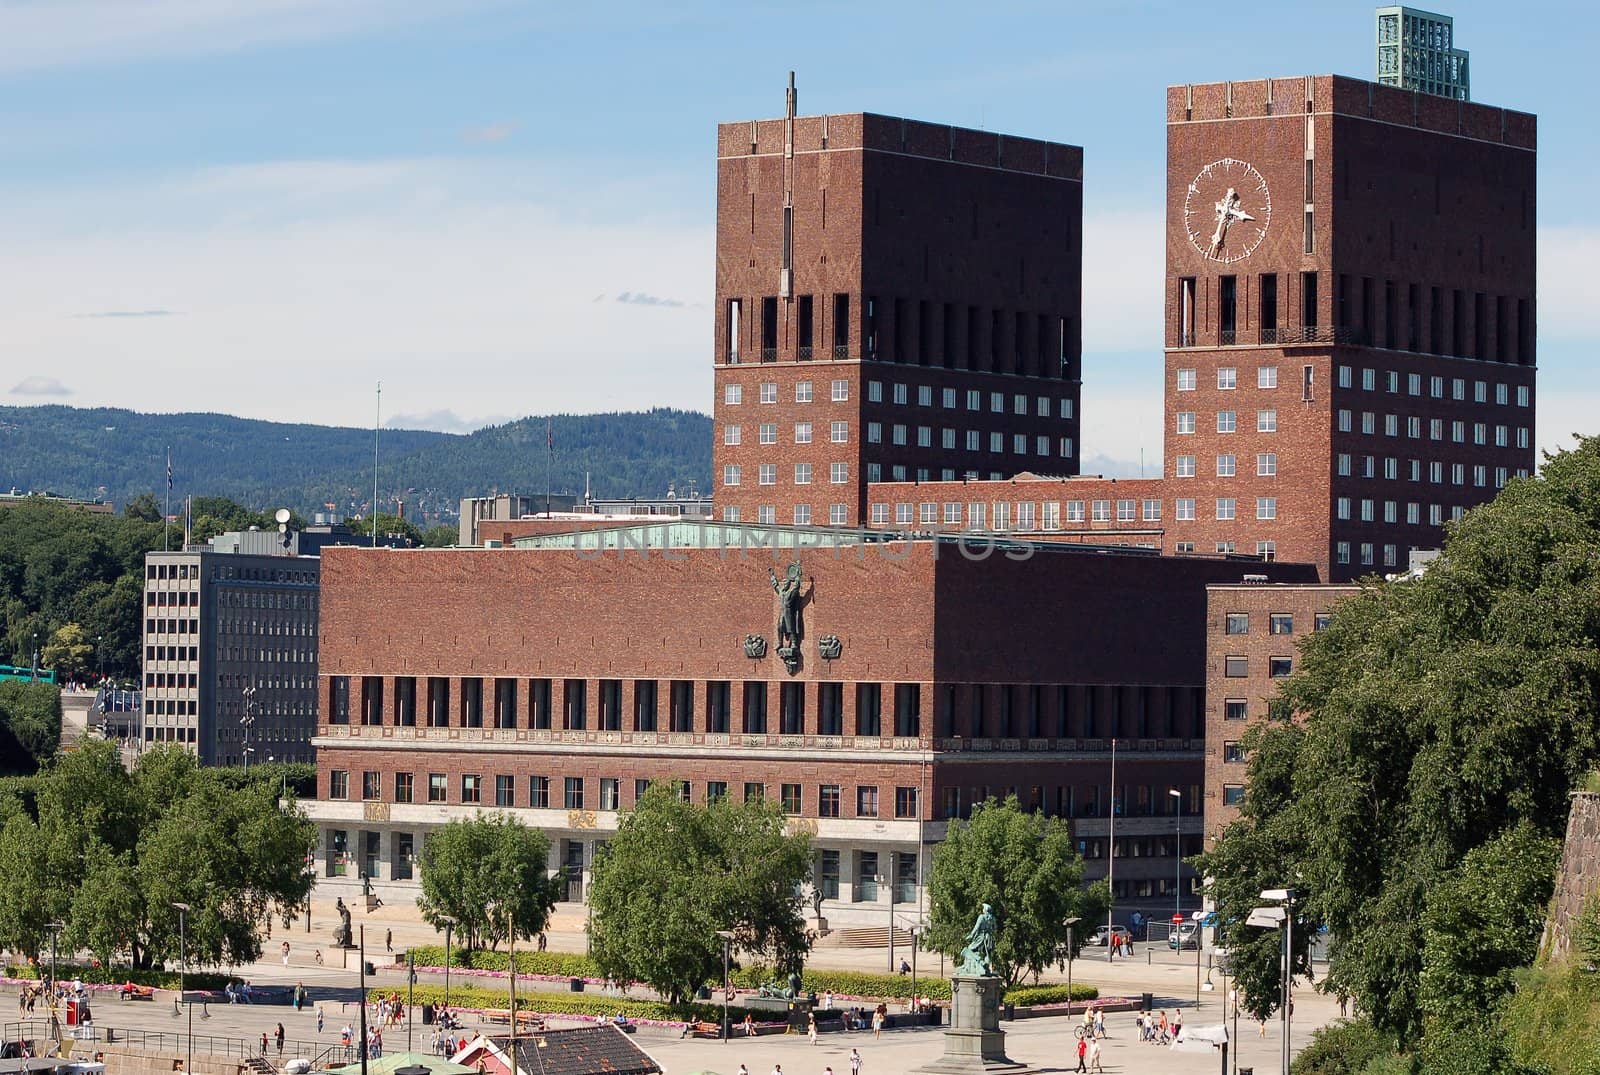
[[1436, 386], [172, 653], [715, 706], [1228, 465], [1024, 517], [1345, 467], [1228, 378], [1278, 623], [1237, 667], [159, 572], [767, 392], [1228, 421], [172, 627], [1503, 436], [767, 433], [1367, 511], [1018, 403]]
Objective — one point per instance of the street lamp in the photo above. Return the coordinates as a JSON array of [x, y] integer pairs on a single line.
[[1177, 857], [247, 718], [100, 659], [1070, 922], [35, 674], [1273, 918], [727, 943], [449, 924], [183, 967]]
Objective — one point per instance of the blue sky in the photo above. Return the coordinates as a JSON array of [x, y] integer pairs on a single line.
[[265, 206]]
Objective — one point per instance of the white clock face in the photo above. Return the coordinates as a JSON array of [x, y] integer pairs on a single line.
[[1226, 210]]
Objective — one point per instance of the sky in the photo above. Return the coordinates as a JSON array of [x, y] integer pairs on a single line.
[[497, 208]]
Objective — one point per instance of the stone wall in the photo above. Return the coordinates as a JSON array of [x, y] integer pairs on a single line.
[[1579, 879]]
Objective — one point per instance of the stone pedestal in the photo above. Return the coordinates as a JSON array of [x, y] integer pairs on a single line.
[[975, 1044]]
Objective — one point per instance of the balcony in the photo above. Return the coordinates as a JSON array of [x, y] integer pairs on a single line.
[[1357, 337], [803, 353], [769, 354], [841, 352]]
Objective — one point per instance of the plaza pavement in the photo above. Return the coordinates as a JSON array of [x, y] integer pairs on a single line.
[[1044, 1043]]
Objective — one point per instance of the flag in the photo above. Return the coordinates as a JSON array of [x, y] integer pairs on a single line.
[[169, 471], [549, 435]]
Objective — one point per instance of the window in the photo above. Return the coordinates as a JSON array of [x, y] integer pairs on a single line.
[[1185, 466], [1185, 421], [1227, 378], [802, 392], [503, 793], [339, 784], [828, 874], [1126, 511], [874, 432], [1152, 511], [716, 791], [769, 432], [828, 800], [1227, 421], [1267, 377], [1235, 709], [539, 792], [730, 434], [1267, 421], [1226, 466], [1225, 508], [471, 788], [789, 798], [769, 392], [1236, 667], [866, 887], [802, 473], [572, 796], [1266, 507], [1266, 464], [1321, 621], [1281, 623], [767, 473], [1232, 794], [839, 432], [1183, 509], [731, 473], [867, 801], [404, 787], [1279, 667], [1236, 623], [838, 473], [900, 394], [436, 787], [733, 394], [1186, 380], [802, 432], [1341, 552], [905, 802], [1232, 753]]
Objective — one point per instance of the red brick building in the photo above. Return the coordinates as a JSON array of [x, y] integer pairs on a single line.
[[558, 682], [948, 259], [1253, 634], [1350, 357]]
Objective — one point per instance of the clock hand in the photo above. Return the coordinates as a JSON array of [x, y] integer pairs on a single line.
[[1225, 209]]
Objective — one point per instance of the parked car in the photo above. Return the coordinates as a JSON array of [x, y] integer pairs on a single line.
[[1103, 932], [1186, 935]]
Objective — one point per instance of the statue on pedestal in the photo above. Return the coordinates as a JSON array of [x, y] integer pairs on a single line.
[[342, 935], [977, 958]]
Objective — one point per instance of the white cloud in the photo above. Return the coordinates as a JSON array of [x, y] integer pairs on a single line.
[[1566, 289], [445, 421], [491, 132], [1124, 263], [37, 385], [465, 288]]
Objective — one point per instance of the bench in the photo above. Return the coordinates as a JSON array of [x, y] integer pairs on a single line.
[[138, 992], [706, 1030], [530, 1020]]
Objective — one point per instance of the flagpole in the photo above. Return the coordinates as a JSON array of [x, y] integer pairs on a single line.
[[166, 512], [377, 422], [549, 460], [1111, 861]]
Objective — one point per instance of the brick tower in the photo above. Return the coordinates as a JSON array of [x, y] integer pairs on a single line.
[[847, 241], [1349, 317]]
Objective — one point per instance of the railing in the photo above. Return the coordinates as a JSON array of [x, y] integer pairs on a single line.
[[769, 354], [161, 1041], [1269, 334], [804, 352], [1227, 337], [841, 352], [1321, 334]]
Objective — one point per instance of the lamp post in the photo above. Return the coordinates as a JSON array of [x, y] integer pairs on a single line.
[[99, 659], [55, 929], [183, 969], [1177, 856], [247, 718], [1280, 916], [35, 672], [449, 924], [1070, 922], [727, 944]]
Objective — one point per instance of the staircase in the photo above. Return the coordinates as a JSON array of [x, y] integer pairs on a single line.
[[260, 1065], [865, 937]]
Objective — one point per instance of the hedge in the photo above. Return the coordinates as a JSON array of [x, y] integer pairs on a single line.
[[558, 1003], [850, 983], [161, 979], [1024, 995], [556, 964]]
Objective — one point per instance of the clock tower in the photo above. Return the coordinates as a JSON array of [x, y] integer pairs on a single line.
[[1349, 317]]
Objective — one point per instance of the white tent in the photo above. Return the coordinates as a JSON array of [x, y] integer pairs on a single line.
[[1201, 1039]]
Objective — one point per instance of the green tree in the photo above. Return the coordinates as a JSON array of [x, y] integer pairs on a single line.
[[440, 537], [484, 873], [1445, 720], [1025, 866], [69, 653], [677, 872], [108, 852], [390, 526], [31, 714], [144, 507]]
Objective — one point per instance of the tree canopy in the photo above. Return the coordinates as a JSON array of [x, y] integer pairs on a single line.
[[30, 717], [487, 873], [108, 851], [1418, 803], [678, 872], [1025, 866]]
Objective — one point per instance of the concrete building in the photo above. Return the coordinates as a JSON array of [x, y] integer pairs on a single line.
[[559, 678], [230, 630]]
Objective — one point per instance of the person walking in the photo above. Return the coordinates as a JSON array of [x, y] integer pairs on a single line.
[[855, 1061], [1099, 1023], [743, 1070], [877, 1022], [811, 1027], [388, 940], [285, 950], [1095, 1049], [319, 1019], [1083, 1051], [279, 1035]]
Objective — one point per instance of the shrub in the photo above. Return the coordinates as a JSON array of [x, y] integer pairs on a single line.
[[1343, 1049], [161, 979], [559, 1003], [1050, 994], [557, 964], [850, 983]]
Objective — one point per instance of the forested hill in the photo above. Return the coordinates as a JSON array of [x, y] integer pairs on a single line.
[[117, 454]]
